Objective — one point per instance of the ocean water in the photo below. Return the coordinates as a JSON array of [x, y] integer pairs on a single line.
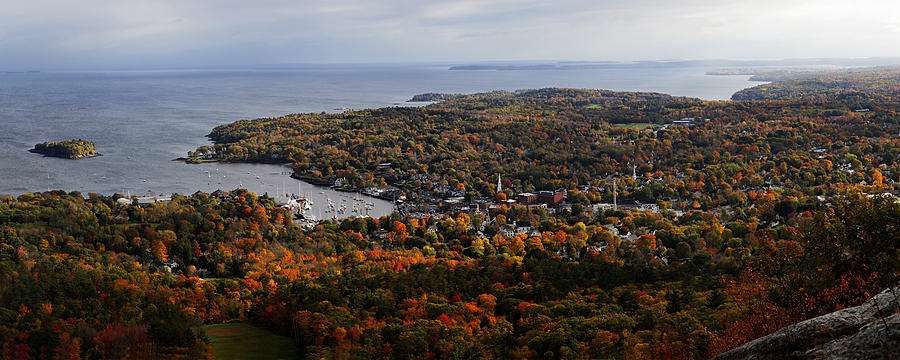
[[141, 120]]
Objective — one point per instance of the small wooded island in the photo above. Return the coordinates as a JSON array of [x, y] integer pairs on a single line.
[[68, 149]]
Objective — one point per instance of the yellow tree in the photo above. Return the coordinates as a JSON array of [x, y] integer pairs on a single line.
[[158, 250]]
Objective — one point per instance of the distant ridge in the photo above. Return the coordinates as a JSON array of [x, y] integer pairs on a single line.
[[587, 65]]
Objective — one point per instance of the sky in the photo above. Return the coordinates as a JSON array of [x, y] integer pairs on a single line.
[[137, 34]]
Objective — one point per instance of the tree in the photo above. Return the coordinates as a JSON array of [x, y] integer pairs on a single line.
[[159, 251]]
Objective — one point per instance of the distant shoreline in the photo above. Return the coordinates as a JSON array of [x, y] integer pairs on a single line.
[[210, 161]]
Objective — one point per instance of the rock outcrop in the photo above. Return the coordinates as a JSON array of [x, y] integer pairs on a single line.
[[867, 331]]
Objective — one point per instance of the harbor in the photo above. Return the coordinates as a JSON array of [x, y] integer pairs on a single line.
[[313, 202]]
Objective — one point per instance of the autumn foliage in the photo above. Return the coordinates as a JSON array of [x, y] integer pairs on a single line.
[[769, 213]]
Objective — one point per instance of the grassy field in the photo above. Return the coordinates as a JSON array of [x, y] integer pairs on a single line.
[[238, 341], [638, 126], [217, 281]]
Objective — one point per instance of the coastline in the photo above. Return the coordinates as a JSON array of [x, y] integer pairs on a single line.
[[305, 178], [211, 161], [125, 168]]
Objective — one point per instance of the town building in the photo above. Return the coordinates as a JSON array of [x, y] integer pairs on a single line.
[[551, 197], [527, 198]]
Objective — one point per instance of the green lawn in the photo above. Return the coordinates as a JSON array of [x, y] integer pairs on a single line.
[[217, 281], [238, 341], [200, 159]]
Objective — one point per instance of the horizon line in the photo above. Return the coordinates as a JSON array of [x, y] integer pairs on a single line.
[[881, 61]]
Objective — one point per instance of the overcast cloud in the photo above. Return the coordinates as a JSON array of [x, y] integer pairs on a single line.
[[53, 34]]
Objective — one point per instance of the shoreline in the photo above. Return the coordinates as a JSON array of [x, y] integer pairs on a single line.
[[213, 161], [312, 180], [305, 178]]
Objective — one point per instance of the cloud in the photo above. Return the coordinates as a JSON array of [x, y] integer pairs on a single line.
[[171, 33]]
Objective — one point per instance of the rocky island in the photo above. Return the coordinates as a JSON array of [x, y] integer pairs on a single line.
[[67, 149]]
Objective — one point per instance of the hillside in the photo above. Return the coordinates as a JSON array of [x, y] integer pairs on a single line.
[[868, 331], [861, 86]]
